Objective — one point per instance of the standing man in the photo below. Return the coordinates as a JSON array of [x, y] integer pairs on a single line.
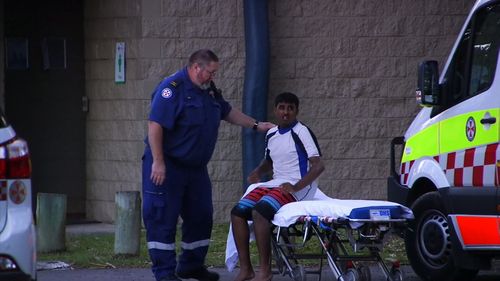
[[186, 110]]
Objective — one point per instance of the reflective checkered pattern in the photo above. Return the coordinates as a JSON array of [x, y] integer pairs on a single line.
[[405, 170], [471, 167], [3, 190]]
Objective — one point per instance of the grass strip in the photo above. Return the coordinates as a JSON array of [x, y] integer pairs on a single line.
[[97, 251]]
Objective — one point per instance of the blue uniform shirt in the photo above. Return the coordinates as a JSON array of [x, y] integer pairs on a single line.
[[190, 118]]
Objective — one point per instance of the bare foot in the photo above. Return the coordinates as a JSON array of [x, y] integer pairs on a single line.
[[263, 276], [244, 275]]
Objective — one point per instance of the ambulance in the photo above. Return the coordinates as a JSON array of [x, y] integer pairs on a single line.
[[449, 170]]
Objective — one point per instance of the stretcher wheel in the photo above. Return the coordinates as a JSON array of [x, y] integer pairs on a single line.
[[396, 275], [299, 273], [278, 258], [351, 275], [365, 273]]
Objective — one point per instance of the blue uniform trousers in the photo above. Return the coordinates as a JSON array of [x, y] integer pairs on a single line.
[[186, 192]]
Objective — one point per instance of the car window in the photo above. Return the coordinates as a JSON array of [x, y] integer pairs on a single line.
[[485, 49], [472, 68]]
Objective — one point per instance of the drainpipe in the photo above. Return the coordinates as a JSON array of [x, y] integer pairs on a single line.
[[256, 81]]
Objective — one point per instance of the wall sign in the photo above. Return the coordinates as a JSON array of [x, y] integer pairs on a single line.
[[120, 63]]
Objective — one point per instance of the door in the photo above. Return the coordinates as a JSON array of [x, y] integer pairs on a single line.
[[44, 87], [469, 130]]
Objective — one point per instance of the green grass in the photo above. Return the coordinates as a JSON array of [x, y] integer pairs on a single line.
[[97, 251]]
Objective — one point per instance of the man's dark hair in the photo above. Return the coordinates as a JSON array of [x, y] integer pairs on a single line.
[[203, 57], [287, 98]]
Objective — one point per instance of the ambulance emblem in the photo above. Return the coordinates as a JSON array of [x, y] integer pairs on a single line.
[[470, 129], [166, 93]]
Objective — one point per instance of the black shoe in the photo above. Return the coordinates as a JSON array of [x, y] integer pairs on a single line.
[[170, 278], [201, 274]]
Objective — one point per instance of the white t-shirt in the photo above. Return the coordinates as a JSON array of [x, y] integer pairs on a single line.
[[289, 150]]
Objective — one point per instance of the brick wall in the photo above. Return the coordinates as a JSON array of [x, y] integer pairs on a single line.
[[352, 63], [115, 122]]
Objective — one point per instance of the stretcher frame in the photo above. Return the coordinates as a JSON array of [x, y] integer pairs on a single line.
[[360, 234]]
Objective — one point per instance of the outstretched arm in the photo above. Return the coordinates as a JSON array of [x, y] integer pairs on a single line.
[[237, 117]]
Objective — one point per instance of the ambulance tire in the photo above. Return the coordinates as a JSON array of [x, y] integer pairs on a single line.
[[428, 242]]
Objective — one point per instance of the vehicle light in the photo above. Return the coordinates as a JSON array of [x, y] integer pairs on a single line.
[[3, 190], [3, 162], [17, 192], [7, 264], [18, 162]]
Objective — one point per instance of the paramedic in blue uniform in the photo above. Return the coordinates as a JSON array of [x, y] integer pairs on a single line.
[[186, 110]]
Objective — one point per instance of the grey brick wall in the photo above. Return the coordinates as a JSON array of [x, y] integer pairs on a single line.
[[115, 122], [352, 63]]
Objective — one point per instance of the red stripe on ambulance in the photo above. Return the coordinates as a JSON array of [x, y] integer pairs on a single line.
[[478, 230], [470, 167]]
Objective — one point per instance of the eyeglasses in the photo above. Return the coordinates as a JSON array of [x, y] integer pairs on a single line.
[[212, 73]]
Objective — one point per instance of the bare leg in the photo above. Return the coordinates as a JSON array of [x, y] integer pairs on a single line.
[[241, 236], [262, 229]]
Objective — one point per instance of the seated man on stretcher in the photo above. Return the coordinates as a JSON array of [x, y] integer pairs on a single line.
[[293, 156]]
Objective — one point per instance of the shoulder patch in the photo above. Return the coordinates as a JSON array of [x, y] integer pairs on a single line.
[[166, 93]]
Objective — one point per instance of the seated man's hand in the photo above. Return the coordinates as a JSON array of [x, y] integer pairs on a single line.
[[253, 177], [287, 187]]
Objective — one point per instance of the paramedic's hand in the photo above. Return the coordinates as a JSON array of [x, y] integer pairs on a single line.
[[265, 126], [287, 188], [253, 177], [158, 172]]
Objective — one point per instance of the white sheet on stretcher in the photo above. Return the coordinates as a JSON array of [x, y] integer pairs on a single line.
[[332, 208], [320, 205], [231, 252]]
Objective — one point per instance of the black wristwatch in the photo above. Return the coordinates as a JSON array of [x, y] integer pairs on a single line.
[[255, 125]]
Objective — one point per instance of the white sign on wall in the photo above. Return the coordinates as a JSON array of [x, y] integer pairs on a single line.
[[120, 63]]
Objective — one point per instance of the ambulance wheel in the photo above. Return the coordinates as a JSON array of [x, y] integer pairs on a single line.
[[428, 242]]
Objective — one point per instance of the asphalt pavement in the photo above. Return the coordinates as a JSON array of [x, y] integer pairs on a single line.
[[145, 274]]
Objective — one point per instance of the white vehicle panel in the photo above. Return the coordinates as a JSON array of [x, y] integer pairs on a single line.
[[6, 134], [427, 167]]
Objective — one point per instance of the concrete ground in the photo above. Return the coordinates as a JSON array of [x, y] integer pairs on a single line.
[[144, 274]]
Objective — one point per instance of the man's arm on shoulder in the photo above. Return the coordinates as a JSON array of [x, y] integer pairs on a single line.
[[237, 117]]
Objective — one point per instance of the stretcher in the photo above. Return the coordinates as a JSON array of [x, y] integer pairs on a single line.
[[351, 234]]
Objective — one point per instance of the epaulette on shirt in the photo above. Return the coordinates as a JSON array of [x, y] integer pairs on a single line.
[[167, 92], [175, 83]]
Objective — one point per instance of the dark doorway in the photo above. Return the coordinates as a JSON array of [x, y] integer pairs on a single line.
[[44, 87]]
